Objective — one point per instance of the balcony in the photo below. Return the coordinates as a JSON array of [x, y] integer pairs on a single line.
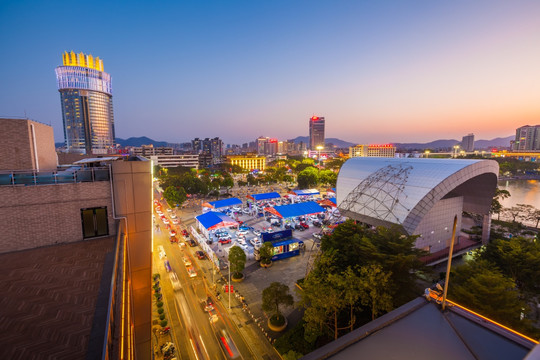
[[12, 178]]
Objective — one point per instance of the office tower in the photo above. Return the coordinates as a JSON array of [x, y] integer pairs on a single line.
[[87, 109], [261, 143], [527, 138], [467, 143], [316, 132], [212, 147]]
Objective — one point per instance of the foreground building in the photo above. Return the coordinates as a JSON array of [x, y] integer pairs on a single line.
[[75, 252], [87, 109], [418, 196]]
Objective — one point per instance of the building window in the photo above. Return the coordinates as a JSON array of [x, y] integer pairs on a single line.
[[94, 222]]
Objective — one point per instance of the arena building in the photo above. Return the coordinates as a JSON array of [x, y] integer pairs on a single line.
[[419, 196]]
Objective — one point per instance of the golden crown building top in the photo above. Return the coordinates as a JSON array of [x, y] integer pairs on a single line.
[[81, 59]]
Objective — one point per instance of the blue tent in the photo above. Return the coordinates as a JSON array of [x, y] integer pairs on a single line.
[[300, 209], [264, 196], [333, 200], [222, 203], [306, 192], [213, 220]]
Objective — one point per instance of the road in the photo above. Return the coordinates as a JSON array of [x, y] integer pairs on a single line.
[[193, 332]]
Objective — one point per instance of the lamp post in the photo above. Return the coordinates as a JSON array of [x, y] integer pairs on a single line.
[[319, 148], [229, 286], [456, 148]]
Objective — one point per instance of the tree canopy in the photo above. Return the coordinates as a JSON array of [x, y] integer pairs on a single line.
[[237, 260], [275, 295]]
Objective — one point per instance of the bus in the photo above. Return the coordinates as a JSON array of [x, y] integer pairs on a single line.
[[282, 249]]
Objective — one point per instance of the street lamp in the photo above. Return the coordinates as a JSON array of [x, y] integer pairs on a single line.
[[319, 148], [456, 148], [427, 153]]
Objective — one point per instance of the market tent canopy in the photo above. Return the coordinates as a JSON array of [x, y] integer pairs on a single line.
[[328, 202], [305, 192], [222, 203], [214, 220], [293, 210], [264, 196]]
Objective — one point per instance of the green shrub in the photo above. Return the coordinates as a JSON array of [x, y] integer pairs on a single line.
[[163, 323], [156, 276], [159, 304], [160, 311], [294, 340], [162, 317], [277, 320]]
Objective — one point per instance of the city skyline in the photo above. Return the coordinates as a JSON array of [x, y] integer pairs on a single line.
[[379, 73]]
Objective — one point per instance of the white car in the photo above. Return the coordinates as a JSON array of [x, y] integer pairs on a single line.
[[313, 217], [257, 232], [176, 221], [241, 241], [187, 262], [174, 281], [191, 272], [255, 242], [246, 211], [237, 208], [242, 232], [172, 216], [165, 220], [169, 210]]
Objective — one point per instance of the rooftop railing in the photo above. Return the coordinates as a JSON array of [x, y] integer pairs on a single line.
[[12, 178]]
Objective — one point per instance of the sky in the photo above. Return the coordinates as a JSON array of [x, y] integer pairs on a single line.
[[378, 71]]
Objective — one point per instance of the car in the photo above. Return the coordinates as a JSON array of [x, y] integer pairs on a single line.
[[313, 217], [242, 232], [317, 223], [173, 239], [172, 233], [167, 265], [257, 232], [298, 227], [176, 221], [174, 281], [213, 317], [172, 216], [186, 260], [289, 226], [165, 220], [181, 244], [317, 236], [208, 304], [255, 242], [224, 241], [241, 240], [191, 271], [304, 225], [246, 211], [185, 233], [169, 210], [200, 255], [191, 243], [237, 208]]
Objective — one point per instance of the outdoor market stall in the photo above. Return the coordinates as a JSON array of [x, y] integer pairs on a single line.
[[219, 204], [295, 210], [294, 194], [264, 196], [213, 220]]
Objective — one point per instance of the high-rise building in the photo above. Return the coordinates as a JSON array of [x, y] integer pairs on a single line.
[[316, 132], [467, 143], [386, 150], [87, 109], [527, 138], [213, 147]]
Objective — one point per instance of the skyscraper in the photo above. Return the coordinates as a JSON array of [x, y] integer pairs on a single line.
[[467, 143], [527, 138], [87, 109], [316, 132]]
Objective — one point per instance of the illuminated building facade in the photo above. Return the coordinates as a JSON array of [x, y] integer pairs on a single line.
[[386, 150], [316, 132], [248, 162], [87, 109], [527, 138]]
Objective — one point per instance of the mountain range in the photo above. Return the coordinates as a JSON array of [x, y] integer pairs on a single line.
[[433, 145]]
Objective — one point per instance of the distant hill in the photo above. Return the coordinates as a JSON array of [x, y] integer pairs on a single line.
[[337, 142], [448, 144], [139, 141]]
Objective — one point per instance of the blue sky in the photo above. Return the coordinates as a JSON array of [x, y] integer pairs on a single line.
[[379, 71]]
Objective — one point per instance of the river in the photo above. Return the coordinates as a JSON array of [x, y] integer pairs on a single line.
[[522, 192]]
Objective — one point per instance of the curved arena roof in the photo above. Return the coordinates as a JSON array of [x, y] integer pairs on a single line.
[[390, 191]]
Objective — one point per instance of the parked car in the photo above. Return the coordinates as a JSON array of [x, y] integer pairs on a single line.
[[298, 227], [208, 304], [313, 217], [304, 225], [169, 210], [165, 220], [257, 232], [172, 233], [241, 232], [184, 232], [255, 242], [175, 221], [200, 255], [173, 239], [224, 241], [191, 243], [318, 236], [317, 223]]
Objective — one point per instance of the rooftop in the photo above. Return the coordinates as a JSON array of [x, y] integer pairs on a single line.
[[50, 299]]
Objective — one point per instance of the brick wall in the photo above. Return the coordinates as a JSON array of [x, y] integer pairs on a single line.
[[34, 216]]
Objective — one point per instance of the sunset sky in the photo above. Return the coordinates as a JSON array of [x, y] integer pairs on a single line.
[[378, 71]]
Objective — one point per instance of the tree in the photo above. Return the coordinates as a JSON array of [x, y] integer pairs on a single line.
[[481, 287], [374, 289], [308, 177], [348, 283], [266, 252], [275, 295], [327, 177], [496, 206], [237, 260], [174, 196], [228, 182]]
